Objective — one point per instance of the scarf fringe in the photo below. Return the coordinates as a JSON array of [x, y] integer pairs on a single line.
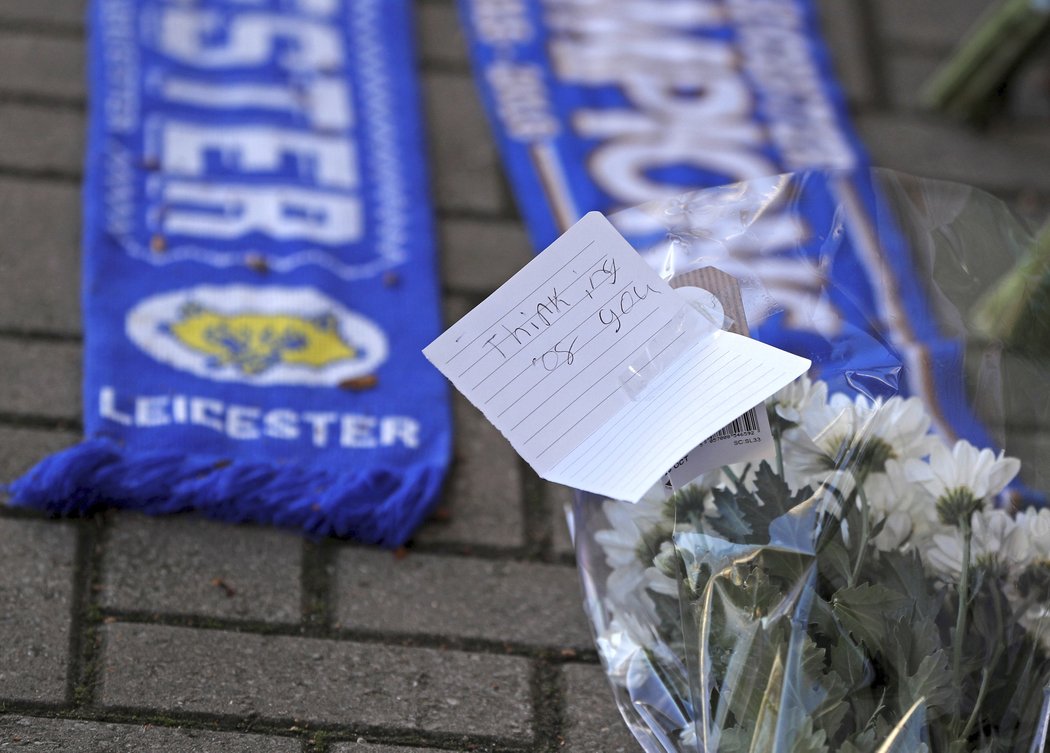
[[377, 506]]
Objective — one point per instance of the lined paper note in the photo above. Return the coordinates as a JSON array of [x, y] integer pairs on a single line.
[[598, 374]]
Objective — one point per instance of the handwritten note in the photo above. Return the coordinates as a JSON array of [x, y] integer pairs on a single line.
[[598, 374]]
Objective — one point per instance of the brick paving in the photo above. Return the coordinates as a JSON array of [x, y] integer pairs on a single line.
[[41, 290], [123, 632], [191, 567], [75, 736]]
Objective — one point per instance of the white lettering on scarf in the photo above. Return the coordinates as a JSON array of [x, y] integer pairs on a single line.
[[249, 422], [298, 181]]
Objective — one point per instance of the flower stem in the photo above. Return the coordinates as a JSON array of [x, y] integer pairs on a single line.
[[733, 477], [989, 667], [780, 451], [865, 532], [964, 598]]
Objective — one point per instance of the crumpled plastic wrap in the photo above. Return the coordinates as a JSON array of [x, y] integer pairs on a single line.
[[880, 581]]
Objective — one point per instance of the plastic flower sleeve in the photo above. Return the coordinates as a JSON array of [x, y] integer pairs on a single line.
[[879, 582]]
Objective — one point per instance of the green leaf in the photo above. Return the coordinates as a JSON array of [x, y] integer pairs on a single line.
[[823, 690], [862, 742], [785, 567], [776, 498], [866, 609], [903, 572], [849, 662], [731, 523], [868, 706], [735, 740], [756, 664], [914, 638], [809, 740], [834, 563], [745, 517], [773, 490], [931, 681], [1013, 704]]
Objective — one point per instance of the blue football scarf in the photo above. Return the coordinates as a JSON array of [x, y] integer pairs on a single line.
[[259, 271], [608, 105]]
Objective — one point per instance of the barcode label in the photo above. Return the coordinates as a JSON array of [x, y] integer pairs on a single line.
[[746, 424], [748, 439]]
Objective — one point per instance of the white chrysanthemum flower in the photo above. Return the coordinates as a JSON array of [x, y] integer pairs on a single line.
[[906, 508], [1036, 524], [981, 471], [859, 435], [997, 542], [1036, 620], [961, 479], [622, 542], [891, 499], [832, 489], [660, 578], [904, 425], [1029, 592], [799, 398], [629, 522], [620, 643]]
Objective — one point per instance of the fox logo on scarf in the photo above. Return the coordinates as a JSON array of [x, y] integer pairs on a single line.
[[265, 335]]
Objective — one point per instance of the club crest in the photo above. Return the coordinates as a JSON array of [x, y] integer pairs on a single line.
[[264, 336]]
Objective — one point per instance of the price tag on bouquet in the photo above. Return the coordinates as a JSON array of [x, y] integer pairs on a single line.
[[747, 438], [597, 372]]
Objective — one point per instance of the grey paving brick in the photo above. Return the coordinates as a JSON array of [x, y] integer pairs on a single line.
[[39, 258], [75, 736], [558, 498], [1028, 96], [484, 501], [279, 677], [464, 597], [906, 75], [453, 308], [36, 603], [367, 748], [440, 34], [36, 64], [1031, 135], [36, 137], [22, 448], [464, 161], [188, 565], [930, 23], [65, 12], [843, 28], [593, 723], [40, 378], [1025, 397], [1033, 450], [1006, 159], [481, 255]]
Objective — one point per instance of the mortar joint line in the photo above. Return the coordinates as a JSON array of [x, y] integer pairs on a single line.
[[537, 515], [84, 650], [549, 707], [316, 588]]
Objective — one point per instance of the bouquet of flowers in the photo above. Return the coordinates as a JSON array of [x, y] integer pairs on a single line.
[[868, 586], [800, 606]]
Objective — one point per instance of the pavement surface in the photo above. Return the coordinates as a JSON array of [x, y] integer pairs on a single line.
[[124, 632]]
